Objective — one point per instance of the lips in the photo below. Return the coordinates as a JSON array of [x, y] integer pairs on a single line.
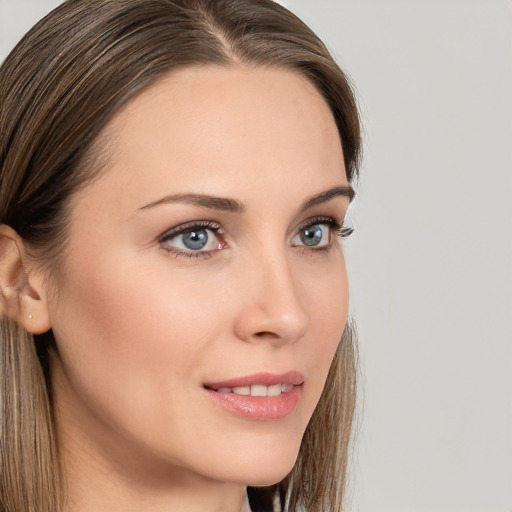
[[262, 379], [257, 390], [263, 396]]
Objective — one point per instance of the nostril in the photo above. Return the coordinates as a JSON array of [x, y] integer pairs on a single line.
[[266, 334], [276, 318]]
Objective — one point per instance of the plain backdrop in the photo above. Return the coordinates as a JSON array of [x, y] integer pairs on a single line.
[[431, 259]]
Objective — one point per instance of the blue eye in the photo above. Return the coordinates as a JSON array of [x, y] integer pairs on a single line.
[[314, 235], [195, 240], [192, 239]]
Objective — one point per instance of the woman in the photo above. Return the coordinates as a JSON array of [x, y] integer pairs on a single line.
[[174, 179]]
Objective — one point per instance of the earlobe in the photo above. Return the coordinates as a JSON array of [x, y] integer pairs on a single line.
[[20, 300]]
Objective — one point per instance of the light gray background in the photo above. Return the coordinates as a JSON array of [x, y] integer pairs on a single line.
[[431, 260]]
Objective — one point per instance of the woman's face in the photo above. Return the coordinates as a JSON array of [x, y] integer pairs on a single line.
[[203, 264]]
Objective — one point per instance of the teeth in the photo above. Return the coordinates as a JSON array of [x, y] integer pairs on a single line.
[[286, 387], [242, 390], [258, 390], [274, 390]]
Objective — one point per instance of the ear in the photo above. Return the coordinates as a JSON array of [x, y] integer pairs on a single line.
[[22, 292]]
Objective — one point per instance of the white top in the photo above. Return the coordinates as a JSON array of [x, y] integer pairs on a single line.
[[245, 504]]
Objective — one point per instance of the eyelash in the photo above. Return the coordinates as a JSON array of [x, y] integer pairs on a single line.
[[186, 228], [334, 226]]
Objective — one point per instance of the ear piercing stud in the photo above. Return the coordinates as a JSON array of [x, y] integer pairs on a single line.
[[30, 317]]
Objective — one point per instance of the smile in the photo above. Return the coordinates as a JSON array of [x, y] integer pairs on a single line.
[[258, 390], [260, 397]]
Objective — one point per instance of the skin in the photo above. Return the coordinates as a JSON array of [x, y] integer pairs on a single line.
[[141, 324]]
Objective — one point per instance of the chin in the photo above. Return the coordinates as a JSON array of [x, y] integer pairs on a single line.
[[265, 467], [269, 478]]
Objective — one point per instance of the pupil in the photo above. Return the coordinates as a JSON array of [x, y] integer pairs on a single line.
[[312, 236], [195, 240]]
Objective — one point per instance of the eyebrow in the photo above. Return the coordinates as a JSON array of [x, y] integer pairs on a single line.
[[343, 191], [232, 205], [212, 202]]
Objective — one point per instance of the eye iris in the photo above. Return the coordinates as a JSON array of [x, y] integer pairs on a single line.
[[312, 236], [195, 240]]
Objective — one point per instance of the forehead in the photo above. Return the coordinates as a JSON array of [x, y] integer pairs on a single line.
[[213, 129]]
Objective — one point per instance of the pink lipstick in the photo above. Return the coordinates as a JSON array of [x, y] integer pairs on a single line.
[[262, 396]]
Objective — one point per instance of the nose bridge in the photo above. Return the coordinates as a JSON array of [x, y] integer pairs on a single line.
[[273, 309]]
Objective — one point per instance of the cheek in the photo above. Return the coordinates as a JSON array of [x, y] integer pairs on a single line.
[[131, 331], [326, 298]]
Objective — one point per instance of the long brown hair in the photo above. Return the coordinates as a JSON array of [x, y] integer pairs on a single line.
[[58, 89]]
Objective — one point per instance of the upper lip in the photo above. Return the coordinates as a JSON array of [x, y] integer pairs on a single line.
[[264, 379]]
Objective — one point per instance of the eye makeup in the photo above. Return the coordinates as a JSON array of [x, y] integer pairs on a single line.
[[335, 226], [196, 239], [203, 238]]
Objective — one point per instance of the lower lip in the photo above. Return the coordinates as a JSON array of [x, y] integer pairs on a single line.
[[259, 407]]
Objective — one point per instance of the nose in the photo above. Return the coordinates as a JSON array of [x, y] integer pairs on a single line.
[[270, 309]]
